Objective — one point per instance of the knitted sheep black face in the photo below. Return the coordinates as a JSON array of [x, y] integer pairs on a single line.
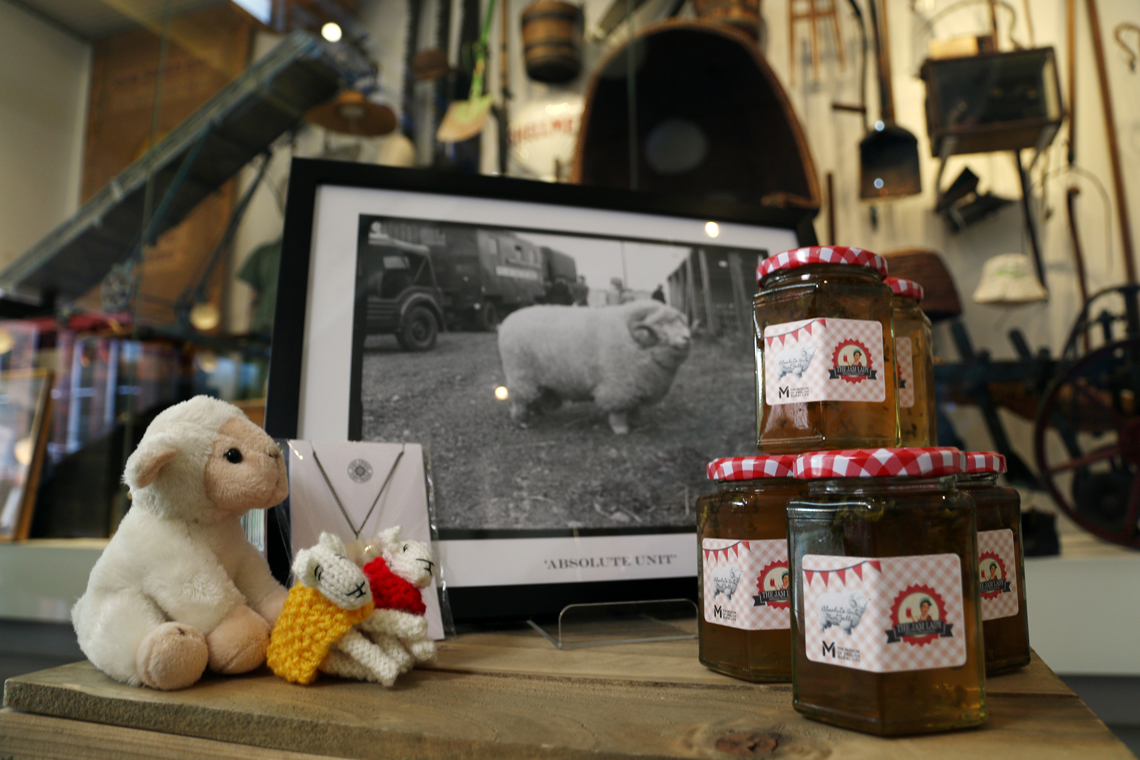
[[620, 357]]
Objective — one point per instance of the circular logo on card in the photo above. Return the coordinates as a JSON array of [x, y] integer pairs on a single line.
[[360, 471], [851, 362], [991, 571], [773, 586], [919, 617]]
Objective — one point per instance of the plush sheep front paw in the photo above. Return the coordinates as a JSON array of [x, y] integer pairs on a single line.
[[172, 656], [239, 642]]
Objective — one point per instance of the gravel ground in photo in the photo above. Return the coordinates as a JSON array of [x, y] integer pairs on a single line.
[[567, 468]]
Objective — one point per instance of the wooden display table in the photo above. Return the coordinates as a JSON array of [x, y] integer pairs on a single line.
[[511, 695]]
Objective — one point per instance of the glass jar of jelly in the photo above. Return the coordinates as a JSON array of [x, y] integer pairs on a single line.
[[886, 629], [742, 565], [914, 355], [1001, 565], [825, 366]]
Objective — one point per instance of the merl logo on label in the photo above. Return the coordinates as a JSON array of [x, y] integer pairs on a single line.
[[918, 615], [851, 362], [991, 572], [773, 586]]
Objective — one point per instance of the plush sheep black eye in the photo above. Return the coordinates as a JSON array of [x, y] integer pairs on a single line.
[[233, 456], [405, 547]]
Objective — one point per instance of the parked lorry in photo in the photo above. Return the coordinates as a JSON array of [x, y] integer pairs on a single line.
[[483, 275], [401, 293]]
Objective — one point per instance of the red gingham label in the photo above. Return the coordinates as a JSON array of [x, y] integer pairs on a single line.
[[751, 468], [802, 257], [997, 571], [884, 615], [930, 462], [824, 359], [746, 583], [984, 462], [906, 288], [904, 360]]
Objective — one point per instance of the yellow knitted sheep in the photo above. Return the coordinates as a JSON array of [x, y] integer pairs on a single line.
[[331, 596]]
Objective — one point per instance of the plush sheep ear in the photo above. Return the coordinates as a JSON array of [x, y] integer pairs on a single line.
[[389, 537], [303, 565], [332, 542], [147, 461]]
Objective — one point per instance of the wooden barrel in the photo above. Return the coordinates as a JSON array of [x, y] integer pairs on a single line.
[[742, 14], [552, 40]]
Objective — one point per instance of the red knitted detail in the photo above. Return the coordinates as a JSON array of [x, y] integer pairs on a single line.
[[390, 591]]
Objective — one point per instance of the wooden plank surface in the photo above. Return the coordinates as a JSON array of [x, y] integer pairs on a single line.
[[508, 695], [525, 652]]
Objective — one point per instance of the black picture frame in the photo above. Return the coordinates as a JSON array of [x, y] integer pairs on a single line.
[[295, 294]]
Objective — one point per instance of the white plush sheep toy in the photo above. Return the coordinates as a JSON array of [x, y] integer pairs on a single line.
[[179, 587], [620, 357]]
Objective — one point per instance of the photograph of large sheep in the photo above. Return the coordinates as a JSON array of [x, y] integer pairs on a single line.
[[575, 382], [620, 357]]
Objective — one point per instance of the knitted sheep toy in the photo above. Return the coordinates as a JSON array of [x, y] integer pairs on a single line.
[[620, 357], [179, 587], [330, 597], [397, 571]]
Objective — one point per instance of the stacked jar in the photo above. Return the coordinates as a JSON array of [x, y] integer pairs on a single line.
[[885, 623], [1001, 563], [825, 360], [886, 632], [742, 563], [918, 421]]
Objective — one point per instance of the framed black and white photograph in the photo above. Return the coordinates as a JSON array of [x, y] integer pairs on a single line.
[[570, 357]]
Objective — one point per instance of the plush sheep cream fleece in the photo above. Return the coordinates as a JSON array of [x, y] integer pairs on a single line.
[[180, 554]]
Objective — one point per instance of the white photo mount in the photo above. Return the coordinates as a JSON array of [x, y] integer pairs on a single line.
[[316, 387]]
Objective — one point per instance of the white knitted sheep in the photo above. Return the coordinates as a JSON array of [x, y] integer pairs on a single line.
[[620, 357]]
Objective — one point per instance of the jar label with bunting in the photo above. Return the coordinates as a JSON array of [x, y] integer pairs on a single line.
[[824, 359], [884, 615], [746, 583], [997, 571]]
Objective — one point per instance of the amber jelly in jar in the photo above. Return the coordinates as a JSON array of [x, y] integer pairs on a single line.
[[1001, 565], [744, 623], [825, 366], [886, 628], [918, 422]]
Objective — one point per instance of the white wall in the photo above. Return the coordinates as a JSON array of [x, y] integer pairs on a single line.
[[44, 74]]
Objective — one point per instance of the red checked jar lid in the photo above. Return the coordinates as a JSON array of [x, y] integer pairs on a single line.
[[742, 561], [929, 462], [905, 288], [802, 257], [751, 468], [987, 462]]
